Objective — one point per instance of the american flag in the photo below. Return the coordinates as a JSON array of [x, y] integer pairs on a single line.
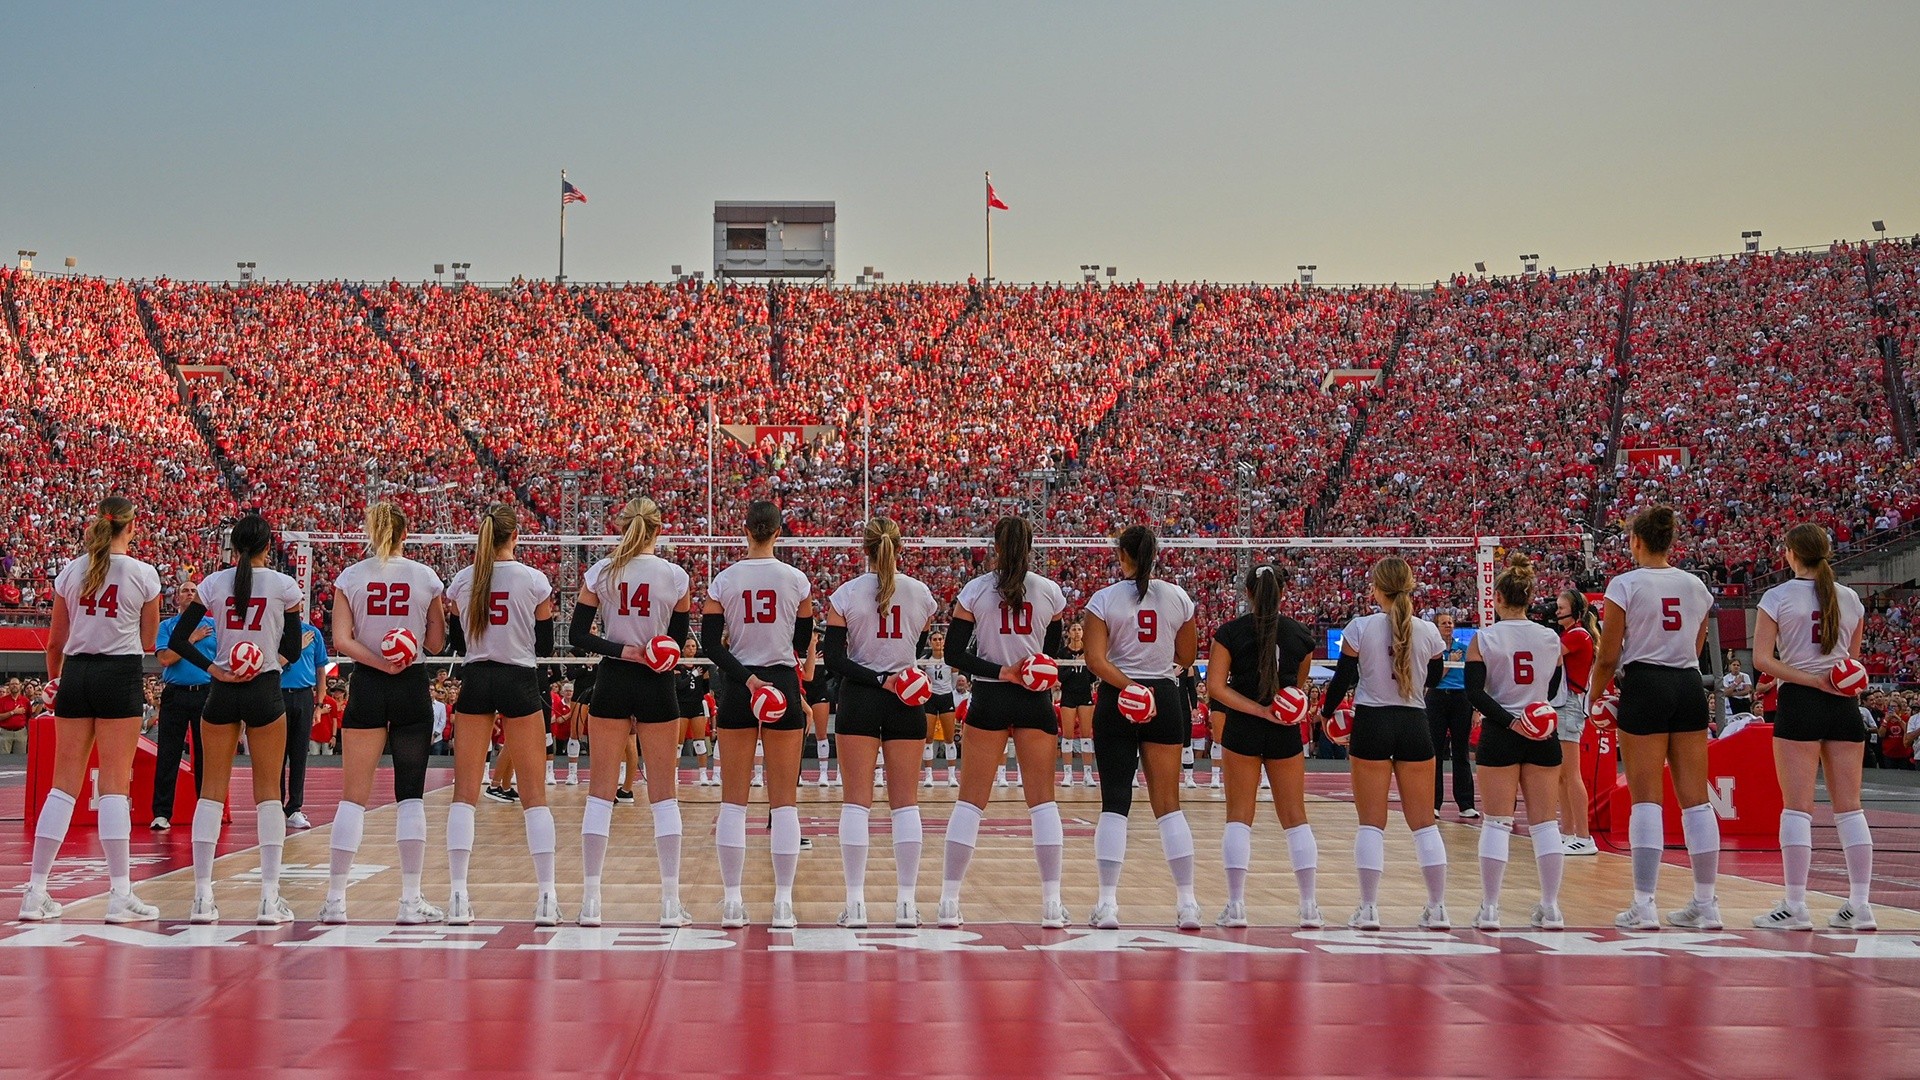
[[571, 194]]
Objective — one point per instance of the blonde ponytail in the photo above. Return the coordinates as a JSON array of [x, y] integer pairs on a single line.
[[1394, 578], [386, 530], [498, 526], [116, 513], [639, 523], [882, 541]]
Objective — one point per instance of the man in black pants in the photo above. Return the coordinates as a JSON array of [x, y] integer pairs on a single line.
[[297, 682], [1450, 718], [183, 697]]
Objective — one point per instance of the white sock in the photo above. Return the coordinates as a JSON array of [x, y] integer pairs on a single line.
[[1176, 842], [540, 843], [1857, 841], [596, 825], [1796, 853], [1431, 852], [1496, 837], [410, 836], [667, 830], [907, 840], [1702, 830], [116, 840], [786, 851], [1550, 859], [963, 831], [1305, 852], [56, 815], [1646, 831], [349, 825], [730, 843], [1370, 860], [854, 840], [273, 840], [459, 843], [1236, 854], [206, 837], [1110, 852], [1049, 841]]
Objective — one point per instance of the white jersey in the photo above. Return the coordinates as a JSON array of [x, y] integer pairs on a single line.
[[637, 600], [1795, 608], [1370, 639], [517, 591], [389, 594], [1141, 632], [761, 599], [1521, 657], [890, 642], [1665, 607], [1003, 636], [108, 622], [260, 621], [939, 675]]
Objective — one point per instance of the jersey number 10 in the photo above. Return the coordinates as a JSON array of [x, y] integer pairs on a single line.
[[1016, 622]]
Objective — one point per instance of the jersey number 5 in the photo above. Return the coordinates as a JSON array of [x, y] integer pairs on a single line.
[[497, 609], [1669, 613]]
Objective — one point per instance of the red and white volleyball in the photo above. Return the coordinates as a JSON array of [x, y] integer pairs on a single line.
[[1137, 704], [398, 647], [662, 654], [1039, 673], [1848, 677], [913, 687], [769, 705], [245, 660], [1605, 711], [1340, 727], [1290, 705], [1537, 721], [50, 691]]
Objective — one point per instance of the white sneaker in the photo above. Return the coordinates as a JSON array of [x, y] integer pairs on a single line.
[[546, 910], [1638, 917], [674, 916], [415, 912], [1104, 917], [953, 779], [853, 917], [926, 779], [1434, 917], [1579, 845], [37, 906], [949, 916], [840, 779], [1365, 917], [1187, 917], [1138, 782], [1190, 784], [334, 912], [459, 909], [1218, 783], [733, 914], [128, 908], [159, 824], [1233, 916], [549, 774], [1487, 918], [203, 911], [1470, 814], [1266, 782], [1547, 918], [783, 916], [573, 776], [1698, 915], [298, 820], [1000, 778], [1310, 917], [906, 915], [759, 779], [1850, 917], [1087, 777], [589, 911], [273, 912], [1785, 916], [1055, 916]]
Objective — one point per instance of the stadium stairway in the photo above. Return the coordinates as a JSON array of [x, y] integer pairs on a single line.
[[1601, 496], [49, 428], [583, 301], [1893, 373], [1337, 476], [231, 475]]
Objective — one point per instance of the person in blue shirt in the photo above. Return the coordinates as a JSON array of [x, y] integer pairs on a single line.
[[1450, 719], [183, 696], [297, 682]]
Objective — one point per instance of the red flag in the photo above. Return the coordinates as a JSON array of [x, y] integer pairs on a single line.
[[993, 201]]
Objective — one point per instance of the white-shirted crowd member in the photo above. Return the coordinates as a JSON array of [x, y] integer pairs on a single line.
[[875, 624], [389, 705], [1388, 659], [1651, 635], [252, 605], [1141, 632], [106, 611], [757, 620], [1805, 627], [1076, 709], [1252, 658], [940, 710], [1017, 616], [1510, 665], [638, 597], [501, 616], [1579, 633]]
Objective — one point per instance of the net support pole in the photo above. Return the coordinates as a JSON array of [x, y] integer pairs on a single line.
[[303, 571], [1485, 567]]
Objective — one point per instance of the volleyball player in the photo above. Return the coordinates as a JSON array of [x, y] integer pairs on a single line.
[[638, 596], [1510, 665], [756, 623], [389, 706], [106, 613], [690, 688], [577, 722], [874, 626], [1578, 633], [816, 684], [255, 605], [502, 618], [1805, 627], [1141, 633], [940, 709], [1076, 707], [1252, 658], [1019, 617], [1382, 656], [1652, 633]]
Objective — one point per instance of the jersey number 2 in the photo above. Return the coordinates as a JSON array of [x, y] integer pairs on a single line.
[[388, 598]]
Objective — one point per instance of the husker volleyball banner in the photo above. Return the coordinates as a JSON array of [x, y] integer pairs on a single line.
[[1657, 457]]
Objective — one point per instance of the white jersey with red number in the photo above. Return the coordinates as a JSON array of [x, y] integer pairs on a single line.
[[1665, 607], [515, 594], [1369, 639], [1141, 632], [885, 643], [259, 621], [761, 599], [1001, 635], [638, 599], [389, 594], [107, 622], [1521, 656], [1795, 609]]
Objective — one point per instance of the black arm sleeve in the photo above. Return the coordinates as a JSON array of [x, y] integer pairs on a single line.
[[1055, 644], [1436, 670], [1553, 684], [580, 633], [920, 648], [713, 632], [1477, 695], [960, 658], [543, 637], [835, 647], [290, 634], [181, 640], [802, 636], [1346, 674], [677, 625], [456, 636]]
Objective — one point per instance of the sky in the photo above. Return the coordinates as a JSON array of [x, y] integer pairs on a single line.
[[1218, 141]]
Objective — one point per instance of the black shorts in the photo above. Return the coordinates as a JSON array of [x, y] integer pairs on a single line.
[[940, 705], [817, 690], [1169, 726], [1258, 737], [878, 714], [1805, 715], [1501, 747], [1075, 695], [377, 700], [1002, 706], [693, 708], [255, 703], [736, 702], [623, 690], [490, 688], [99, 686], [1390, 733], [1657, 700]]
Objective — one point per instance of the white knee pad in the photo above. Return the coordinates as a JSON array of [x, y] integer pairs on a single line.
[[926, 752], [1236, 846], [1428, 848], [1496, 839], [963, 827], [460, 827], [1370, 848], [1176, 836], [1046, 825], [666, 817], [1302, 848], [699, 748], [116, 817], [1853, 829], [1216, 752], [1086, 746], [1796, 829], [597, 818], [786, 831], [1701, 828], [730, 830], [56, 816], [273, 824], [409, 820], [539, 822], [1110, 838], [349, 824], [1186, 754], [206, 821], [1646, 826]]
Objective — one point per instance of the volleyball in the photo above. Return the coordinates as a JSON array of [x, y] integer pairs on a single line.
[[399, 647], [662, 654], [1137, 704], [245, 660]]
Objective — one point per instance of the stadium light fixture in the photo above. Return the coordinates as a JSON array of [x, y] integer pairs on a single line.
[[1113, 272], [460, 272], [246, 271], [1530, 264], [72, 262], [1306, 272], [1750, 239], [26, 258], [1480, 267], [1088, 272], [1881, 228], [439, 271]]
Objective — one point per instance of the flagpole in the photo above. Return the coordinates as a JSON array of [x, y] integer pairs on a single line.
[[866, 471], [989, 280], [710, 522], [562, 279]]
